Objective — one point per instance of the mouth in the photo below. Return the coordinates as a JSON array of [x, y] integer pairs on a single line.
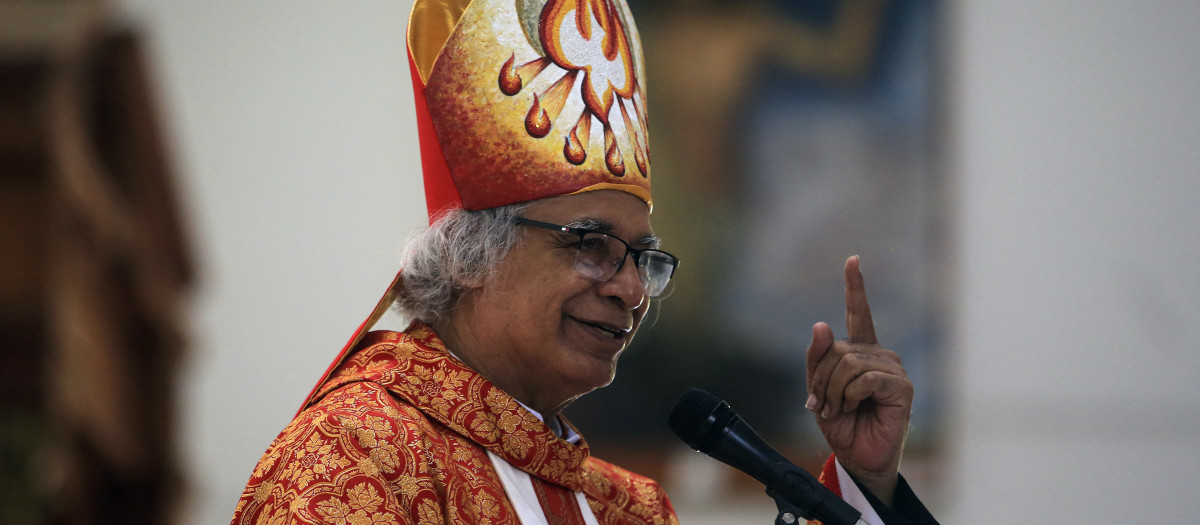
[[608, 329]]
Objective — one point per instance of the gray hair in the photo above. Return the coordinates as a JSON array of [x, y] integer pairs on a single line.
[[457, 253]]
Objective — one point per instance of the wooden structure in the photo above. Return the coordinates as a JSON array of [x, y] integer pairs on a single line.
[[93, 268]]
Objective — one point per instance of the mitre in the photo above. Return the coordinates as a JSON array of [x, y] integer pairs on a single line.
[[519, 100]]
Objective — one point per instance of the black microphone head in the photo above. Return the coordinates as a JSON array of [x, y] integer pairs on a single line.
[[708, 424], [690, 413]]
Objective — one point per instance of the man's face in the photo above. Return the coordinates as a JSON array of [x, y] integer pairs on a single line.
[[539, 329]]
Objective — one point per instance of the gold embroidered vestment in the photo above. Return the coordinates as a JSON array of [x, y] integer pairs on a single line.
[[399, 434]]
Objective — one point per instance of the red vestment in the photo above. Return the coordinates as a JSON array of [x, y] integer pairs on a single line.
[[400, 432]]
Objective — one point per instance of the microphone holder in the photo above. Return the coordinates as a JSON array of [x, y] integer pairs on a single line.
[[805, 499], [789, 514]]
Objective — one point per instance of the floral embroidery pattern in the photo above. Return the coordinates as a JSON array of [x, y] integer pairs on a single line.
[[400, 435], [362, 506]]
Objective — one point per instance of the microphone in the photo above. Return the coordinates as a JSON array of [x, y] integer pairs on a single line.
[[707, 424]]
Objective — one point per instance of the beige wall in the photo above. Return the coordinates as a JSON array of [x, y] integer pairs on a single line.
[[1078, 145], [292, 128], [1075, 139]]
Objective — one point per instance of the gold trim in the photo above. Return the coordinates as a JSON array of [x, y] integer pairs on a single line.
[[637, 191], [429, 27]]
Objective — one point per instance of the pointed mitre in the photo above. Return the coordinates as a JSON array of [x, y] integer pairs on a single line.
[[520, 100]]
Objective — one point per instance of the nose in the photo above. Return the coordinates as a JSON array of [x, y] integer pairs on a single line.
[[626, 286]]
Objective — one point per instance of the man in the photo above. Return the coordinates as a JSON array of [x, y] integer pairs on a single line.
[[533, 277]]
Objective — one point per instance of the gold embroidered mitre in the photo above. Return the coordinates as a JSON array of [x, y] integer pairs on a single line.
[[520, 100]]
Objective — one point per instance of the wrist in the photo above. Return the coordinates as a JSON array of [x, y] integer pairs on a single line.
[[883, 488]]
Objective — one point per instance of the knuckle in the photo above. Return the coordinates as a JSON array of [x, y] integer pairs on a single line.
[[841, 348], [871, 379], [817, 385], [855, 360]]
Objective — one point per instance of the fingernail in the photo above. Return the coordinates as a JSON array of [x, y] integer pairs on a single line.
[[825, 412], [859, 261], [812, 402]]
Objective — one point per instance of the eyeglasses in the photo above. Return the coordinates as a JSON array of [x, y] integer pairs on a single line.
[[600, 256]]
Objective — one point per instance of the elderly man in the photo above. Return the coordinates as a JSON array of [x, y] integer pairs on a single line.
[[535, 274]]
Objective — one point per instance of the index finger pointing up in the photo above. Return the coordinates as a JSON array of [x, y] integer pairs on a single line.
[[859, 325]]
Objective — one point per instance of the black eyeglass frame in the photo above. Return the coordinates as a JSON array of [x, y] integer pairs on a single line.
[[629, 250]]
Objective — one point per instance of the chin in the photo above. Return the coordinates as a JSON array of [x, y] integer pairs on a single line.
[[595, 377]]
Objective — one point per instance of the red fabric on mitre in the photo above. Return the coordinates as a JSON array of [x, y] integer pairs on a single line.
[[477, 148], [441, 194]]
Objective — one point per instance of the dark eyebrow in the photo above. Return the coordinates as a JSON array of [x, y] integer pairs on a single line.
[[592, 223], [601, 225], [652, 241]]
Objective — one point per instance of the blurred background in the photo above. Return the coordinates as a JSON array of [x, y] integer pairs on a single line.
[[202, 200]]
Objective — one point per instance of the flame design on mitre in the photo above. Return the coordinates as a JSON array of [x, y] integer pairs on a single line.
[[509, 92]]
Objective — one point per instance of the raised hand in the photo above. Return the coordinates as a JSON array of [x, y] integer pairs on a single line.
[[860, 394]]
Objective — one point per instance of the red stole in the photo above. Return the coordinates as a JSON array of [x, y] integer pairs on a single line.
[[558, 504]]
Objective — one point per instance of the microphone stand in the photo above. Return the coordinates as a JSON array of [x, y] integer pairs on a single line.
[[814, 501], [789, 514]]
